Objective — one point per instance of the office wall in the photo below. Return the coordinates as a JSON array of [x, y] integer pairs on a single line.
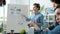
[[14, 20], [19, 2]]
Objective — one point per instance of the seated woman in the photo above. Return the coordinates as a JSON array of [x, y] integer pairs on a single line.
[[56, 29]]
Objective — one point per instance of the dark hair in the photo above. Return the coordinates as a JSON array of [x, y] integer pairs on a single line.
[[3, 2], [58, 6], [52, 0], [56, 22], [12, 30], [56, 1], [37, 5]]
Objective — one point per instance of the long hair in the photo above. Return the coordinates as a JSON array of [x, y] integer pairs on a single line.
[[56, 22], [4, 2]]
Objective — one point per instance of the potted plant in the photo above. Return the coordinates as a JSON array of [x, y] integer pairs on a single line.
[[22, 31]]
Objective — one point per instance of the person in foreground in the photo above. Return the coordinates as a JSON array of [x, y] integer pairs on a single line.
[[56, 29]]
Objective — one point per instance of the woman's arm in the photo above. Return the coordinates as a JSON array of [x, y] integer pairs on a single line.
[[27, 19]]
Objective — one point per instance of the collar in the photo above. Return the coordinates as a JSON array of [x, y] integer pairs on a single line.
[[37, 13]]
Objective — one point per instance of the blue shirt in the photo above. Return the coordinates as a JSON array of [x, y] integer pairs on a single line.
[[56, 30], [38, 18]]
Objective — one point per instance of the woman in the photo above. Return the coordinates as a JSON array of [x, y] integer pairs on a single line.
[[56, 30], [54, 3], [36, 19]]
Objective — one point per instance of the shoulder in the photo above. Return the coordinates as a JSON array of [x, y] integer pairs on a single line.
[[40, 15], [58, 27]]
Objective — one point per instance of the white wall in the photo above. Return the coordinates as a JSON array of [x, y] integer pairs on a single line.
[[5, 8], [15, 2], [19, 2], [16, 22]]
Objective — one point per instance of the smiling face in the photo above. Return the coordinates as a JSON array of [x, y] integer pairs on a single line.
[[35, 9], [57, 13]]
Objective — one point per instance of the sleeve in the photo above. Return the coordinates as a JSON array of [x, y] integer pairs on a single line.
[[56, 30], [28, 19], [51, 27]]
